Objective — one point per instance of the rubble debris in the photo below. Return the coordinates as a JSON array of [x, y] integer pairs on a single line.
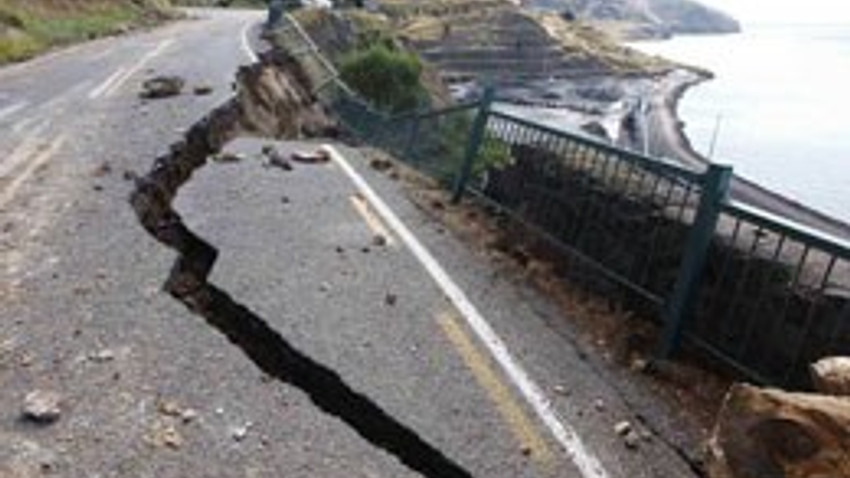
[[639, 365], [631, 440], [599, 404], [168, 408], [380, 164], [188, 415], [202, 90], [831, 376], [42, 406], [273, 158], [101, 356], [130, 175], [164, 435], [241, 432], [772, 433], [561, 390], [317, 157], [162, 87], [102, 170], [227, 157], [622, 428]]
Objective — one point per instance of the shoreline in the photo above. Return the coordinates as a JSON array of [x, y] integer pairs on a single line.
[[671, 138]]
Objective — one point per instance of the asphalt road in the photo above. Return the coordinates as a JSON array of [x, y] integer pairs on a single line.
[[470, 359]]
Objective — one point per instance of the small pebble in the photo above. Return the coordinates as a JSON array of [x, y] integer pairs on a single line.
[[42, 406]]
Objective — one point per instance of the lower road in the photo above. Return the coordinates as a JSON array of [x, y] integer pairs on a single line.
[[414, 328]]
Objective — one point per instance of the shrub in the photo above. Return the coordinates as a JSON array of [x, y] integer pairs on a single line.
[[387, 77]]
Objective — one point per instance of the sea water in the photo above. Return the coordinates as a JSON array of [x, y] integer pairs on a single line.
[[778, 109]]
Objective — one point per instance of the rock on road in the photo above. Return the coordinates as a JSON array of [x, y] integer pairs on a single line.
[[140, 386]]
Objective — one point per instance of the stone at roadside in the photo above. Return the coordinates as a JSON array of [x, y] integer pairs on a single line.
[[227, 157], [162, 87], [595, 129], [379, 240], [316, 157], [273, 158], [622, 428], [188, 415], [831, 376], [599, 404], [102, 356], [380, 164], [631, 439], [42, 406], [241, 432], [202, 90], [102, 170], [390, 299], [770, 433], [168, 408], [164, 435], [561, 390]]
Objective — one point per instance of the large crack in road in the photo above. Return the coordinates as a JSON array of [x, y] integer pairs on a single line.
[[271, 100]]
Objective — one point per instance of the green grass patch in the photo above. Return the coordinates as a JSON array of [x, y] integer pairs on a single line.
[[25, 31]]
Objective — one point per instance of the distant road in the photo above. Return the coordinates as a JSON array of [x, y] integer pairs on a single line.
[[666, 139]]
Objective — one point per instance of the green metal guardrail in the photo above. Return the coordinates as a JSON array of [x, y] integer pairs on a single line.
[[761, 293]]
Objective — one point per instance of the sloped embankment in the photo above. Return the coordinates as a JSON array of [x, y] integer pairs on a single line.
[[28, 27]]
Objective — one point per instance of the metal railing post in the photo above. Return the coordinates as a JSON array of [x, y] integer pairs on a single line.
[[476, 138], [413, 135], [679, 306]]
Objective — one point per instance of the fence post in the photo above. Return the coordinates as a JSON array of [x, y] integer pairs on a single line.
[[413, 135], [476, 137], [679, 306]]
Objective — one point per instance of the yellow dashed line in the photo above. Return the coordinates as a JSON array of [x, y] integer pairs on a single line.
[[35, 162], [371, 219], [516, 418]]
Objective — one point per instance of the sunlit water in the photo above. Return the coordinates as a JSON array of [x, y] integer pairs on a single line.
[[782, 96]]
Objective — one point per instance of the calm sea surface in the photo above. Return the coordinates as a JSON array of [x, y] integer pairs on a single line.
[[782, 96]]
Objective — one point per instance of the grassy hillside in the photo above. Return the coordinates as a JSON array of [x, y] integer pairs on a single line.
[[28, 27]]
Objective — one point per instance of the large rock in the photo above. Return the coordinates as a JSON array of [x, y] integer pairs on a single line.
[[831, 376], [765, 433]]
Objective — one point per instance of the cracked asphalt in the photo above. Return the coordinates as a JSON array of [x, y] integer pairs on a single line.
[[148, 389]]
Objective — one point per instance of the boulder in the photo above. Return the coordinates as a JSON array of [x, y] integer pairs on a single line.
[[831, 376], [765, 433], [162, 87]]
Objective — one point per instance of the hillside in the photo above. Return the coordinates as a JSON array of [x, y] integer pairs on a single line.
[[645, 18], [504, 42], [28, 27]]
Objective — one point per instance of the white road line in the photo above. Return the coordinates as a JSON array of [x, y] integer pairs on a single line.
[[9, 192], [101, 88], [587, 462], [12, 109], [117, 80], [246, 45]]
